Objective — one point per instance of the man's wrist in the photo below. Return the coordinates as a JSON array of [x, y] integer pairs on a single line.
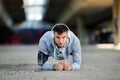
[[71, 67], [54, 67]]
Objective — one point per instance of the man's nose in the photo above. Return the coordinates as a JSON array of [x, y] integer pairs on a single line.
[[60, 40]]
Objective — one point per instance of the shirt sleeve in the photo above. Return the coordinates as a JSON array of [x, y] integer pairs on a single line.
[[43, 48], [47, 66], [76, 54]]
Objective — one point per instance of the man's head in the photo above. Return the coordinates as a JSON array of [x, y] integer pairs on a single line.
[[60, 34]]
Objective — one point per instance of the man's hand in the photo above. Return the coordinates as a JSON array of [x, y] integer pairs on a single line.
[[67, 66], [58, 66], [63, 65]]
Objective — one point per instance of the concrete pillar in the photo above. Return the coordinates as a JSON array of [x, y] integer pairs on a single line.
[[5, 17], [116, 20], [81, 32]]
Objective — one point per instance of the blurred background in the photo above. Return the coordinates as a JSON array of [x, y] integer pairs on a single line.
[[25, 21], [95, 22]]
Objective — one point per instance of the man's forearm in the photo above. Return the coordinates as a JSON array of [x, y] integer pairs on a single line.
[[76, 66], [47, 66]]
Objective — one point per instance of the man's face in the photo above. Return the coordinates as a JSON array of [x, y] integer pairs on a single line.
[[60, 39]]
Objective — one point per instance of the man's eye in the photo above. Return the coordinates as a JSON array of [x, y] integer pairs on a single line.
[[64, 37], [57, 37]]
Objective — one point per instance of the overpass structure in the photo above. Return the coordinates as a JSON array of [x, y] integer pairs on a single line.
[[83, 16]]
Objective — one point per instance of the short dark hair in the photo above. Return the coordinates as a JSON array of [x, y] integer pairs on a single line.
[[60, 28]]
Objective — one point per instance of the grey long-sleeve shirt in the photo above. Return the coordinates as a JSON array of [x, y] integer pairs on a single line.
[[47, 46]]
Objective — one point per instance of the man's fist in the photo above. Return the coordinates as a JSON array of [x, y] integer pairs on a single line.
[[63, 65], [67, 66], [58, 66]]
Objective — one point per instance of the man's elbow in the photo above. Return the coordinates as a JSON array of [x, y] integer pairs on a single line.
[[76, 66]]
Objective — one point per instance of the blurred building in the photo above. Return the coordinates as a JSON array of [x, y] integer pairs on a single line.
[[25, 21]]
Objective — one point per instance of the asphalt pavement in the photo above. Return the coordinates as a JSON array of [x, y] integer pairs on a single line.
[[19, 62]]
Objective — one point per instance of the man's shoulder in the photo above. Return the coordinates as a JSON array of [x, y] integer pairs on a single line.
[[71, 35], [48, 33], [73, 38]]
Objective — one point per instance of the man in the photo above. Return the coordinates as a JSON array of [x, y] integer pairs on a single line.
[[59, 43]]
